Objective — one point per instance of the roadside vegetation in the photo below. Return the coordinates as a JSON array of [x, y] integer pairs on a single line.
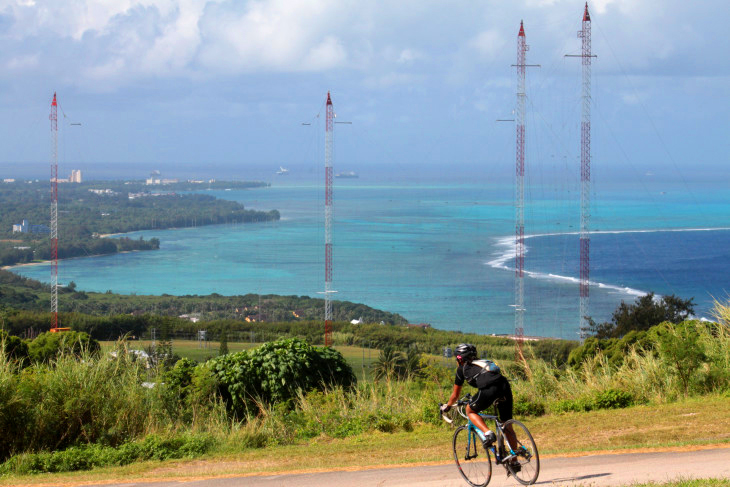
[[79, 408]]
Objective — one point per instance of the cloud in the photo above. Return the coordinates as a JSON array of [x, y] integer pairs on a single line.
[[123, 42], [278, 35], [488, 43]]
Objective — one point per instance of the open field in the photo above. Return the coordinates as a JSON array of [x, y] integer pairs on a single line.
[[699, 423]]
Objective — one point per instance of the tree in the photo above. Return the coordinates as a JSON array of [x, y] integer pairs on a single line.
[[390, 364], [646, 312], [679, 347], [412, 363]]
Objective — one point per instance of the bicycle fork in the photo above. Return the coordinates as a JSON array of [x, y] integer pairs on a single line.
[[478, 433]]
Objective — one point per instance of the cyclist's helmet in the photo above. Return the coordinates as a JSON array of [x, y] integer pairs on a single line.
[[465, 352]]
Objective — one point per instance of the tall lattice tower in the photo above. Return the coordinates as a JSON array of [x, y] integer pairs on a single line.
[[54, 214], [328, 201], [520, 194], [585, 170]]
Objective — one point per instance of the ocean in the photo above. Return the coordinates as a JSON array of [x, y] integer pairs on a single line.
[[441, 251]]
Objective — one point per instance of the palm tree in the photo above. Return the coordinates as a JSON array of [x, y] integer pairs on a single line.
[[390, 363]]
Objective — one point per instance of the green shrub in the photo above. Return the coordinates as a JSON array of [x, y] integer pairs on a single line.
[[573, 405], [276, 371], [527, 407], [680, 348], [13, 347], [85, 457], [612, 399], [48, 346]]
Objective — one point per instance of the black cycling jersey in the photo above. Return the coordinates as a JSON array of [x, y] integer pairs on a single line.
[[475, 375]]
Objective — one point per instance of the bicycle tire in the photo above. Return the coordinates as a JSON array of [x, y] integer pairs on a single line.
[[526, 454], [472, 459]]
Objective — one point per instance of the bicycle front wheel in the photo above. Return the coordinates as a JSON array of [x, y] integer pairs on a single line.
[[525, 465], [472, 459]]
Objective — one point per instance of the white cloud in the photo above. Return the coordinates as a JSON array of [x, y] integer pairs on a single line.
[[489, 43], [327, 54], [129, 40], [278, 35]]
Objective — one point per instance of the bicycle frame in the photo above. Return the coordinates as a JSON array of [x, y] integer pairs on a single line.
[[501, 442]]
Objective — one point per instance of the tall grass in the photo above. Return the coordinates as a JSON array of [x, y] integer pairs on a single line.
[[385, 406], [646, 375], [72, 401]]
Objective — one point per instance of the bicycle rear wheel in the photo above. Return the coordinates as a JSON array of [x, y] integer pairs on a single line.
[[525, 466], [472, 459]]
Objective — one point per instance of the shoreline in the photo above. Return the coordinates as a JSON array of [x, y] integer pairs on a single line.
[[41, 262]]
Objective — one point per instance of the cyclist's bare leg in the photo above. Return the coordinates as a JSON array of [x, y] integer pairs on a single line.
[[476, 419]]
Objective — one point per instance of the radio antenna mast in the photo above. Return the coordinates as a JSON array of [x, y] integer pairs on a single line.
[[54, 215]]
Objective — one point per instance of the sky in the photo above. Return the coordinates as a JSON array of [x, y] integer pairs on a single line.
[[205, 84]]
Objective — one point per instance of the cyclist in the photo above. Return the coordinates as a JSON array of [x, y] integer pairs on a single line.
[[492, 386]]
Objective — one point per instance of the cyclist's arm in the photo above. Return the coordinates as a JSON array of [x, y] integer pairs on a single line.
[[454, 396]]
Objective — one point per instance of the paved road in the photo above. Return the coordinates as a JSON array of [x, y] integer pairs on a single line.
[[598, 470]]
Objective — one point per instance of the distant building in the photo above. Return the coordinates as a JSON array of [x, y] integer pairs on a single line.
[[155, 178], [26, 227], [8, 180], [75, 177]]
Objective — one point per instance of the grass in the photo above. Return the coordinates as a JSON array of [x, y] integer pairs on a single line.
[[649, 428]]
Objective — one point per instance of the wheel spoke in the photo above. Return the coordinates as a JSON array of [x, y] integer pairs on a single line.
[[525, 463], [476, 465]]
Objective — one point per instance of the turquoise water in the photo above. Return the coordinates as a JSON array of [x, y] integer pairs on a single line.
[[441, 253]]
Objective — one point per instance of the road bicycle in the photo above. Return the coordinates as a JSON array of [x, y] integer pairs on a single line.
[[474, 461]]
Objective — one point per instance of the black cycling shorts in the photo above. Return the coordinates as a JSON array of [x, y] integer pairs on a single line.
[[484, 399]]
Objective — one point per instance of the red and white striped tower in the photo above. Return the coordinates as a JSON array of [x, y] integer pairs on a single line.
[[328, 200], [585, 170], [520, 192], [54, 214]]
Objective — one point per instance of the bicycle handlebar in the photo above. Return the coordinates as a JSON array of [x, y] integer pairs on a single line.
[[459, 406]]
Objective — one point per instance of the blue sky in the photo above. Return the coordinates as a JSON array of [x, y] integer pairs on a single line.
[[208, 83]]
